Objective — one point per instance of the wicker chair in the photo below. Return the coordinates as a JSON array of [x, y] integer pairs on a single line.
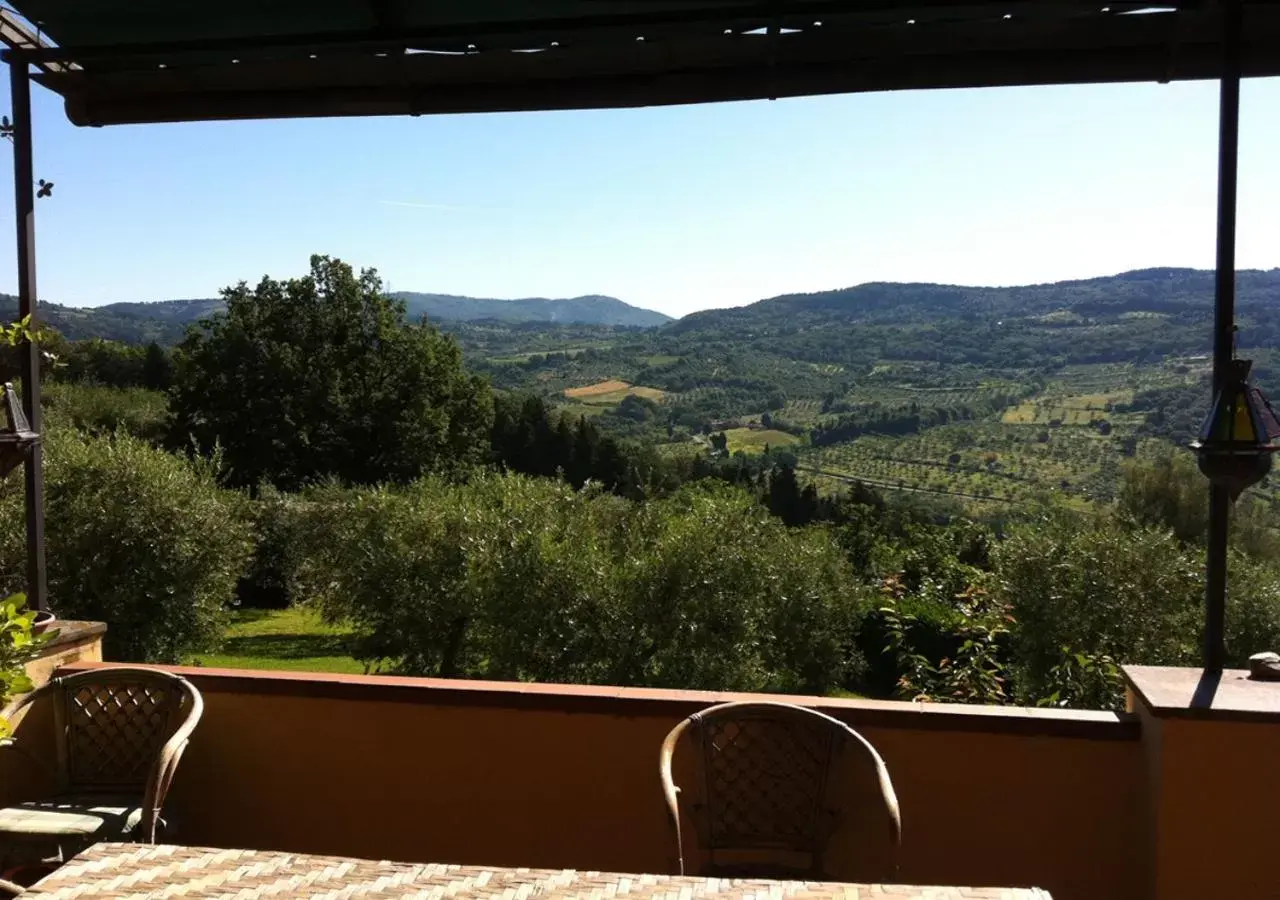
[[768, 790], [119, 735]]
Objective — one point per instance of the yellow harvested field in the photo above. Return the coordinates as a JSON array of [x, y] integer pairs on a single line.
[[754, 440], [1082, 409], [594, 390], [612, 391]]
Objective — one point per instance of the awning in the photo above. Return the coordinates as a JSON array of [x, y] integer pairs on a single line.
[[119, 61]]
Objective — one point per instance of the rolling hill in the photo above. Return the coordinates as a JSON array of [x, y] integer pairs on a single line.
[[589, 310], [1167, 297], [1186, 293], [132, 323], [166, 321]]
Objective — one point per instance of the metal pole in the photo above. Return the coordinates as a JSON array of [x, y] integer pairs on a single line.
[[24, 200], [1223, 327]]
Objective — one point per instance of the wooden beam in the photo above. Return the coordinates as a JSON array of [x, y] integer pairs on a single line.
[[17, 34]]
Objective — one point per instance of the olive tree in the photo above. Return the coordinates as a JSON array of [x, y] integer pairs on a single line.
[[1087, 595], [144, 540], [523, 578]]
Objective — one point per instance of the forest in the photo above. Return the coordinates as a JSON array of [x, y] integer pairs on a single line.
[[913, 491]]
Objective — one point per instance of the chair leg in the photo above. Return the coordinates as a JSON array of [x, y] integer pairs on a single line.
[[52, 852], [13, 863]]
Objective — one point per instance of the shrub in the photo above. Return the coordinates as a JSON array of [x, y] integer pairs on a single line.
[[393, 564], [1253, 608], [1089, 595], [922, 627], [108, 410], [1164, 489], [974, 672], [141, 539], [522, 578], [103, 362], [731, 598], [1102, 589], [268, 582]]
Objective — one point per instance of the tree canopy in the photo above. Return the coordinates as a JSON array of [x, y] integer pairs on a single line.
[[322, 377]]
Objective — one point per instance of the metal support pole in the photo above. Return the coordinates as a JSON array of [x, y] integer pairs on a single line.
[[1223, 327], [24, 200]]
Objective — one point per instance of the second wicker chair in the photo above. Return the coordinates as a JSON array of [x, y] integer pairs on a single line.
[[769, 787]]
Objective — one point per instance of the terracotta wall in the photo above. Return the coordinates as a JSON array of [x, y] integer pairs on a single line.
[[1214, 825], [567, 777]]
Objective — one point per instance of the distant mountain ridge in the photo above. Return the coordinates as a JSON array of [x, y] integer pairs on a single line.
[[162, 321], [1184, 294], [1170, 291], [166, 321], [593, 309]]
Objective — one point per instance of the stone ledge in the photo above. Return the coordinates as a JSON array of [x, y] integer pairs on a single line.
[[72, 631], [636, 702], [1173, 692], [75, 642]]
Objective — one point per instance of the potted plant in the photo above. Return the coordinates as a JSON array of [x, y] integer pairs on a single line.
[[19, 643]]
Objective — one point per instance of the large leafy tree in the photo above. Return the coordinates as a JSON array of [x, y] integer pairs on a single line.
[[322, 377]]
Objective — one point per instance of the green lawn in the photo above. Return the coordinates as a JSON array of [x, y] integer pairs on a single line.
[[294, 639], [297, 640], [754, 440]]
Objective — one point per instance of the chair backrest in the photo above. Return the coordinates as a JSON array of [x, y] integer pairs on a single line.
[[118, 727], [770, 786]]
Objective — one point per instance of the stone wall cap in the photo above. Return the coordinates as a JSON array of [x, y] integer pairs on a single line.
[[72, 631], [660, 702], [1191, 693]]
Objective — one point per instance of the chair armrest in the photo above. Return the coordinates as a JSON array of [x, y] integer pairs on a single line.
[[166, 767], [154, 802], [671, 791]]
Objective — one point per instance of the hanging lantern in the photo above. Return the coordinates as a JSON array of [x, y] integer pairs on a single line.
[[17, 439], [1239, 435]]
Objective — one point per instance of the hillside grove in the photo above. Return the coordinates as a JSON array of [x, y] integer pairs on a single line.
[[955, 494]]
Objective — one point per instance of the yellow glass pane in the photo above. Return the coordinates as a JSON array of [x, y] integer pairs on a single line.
[[1244, 430]]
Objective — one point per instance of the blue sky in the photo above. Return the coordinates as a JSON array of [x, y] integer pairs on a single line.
[[676, 209]]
